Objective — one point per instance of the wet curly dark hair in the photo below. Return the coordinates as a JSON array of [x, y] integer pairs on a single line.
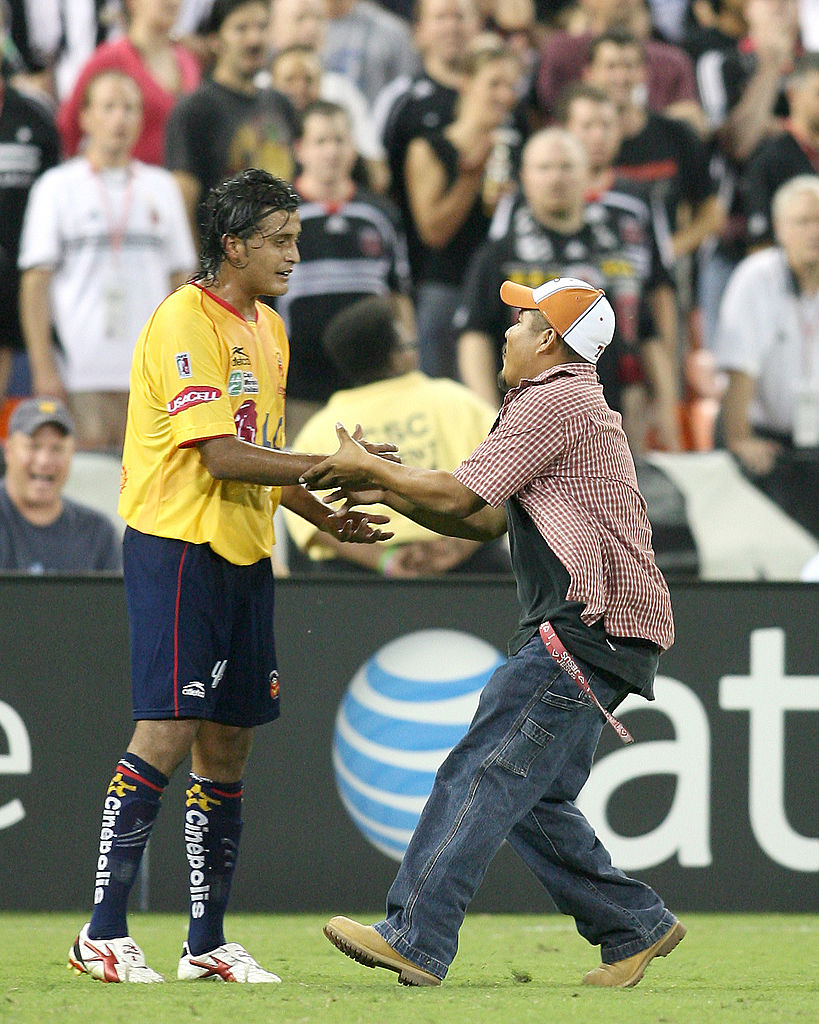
[[235, 208]]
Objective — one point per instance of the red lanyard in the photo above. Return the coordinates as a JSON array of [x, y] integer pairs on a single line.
[[116, 229], [566, 662]]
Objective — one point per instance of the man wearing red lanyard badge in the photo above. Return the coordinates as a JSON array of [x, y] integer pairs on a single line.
[[105, 239], [768, 342]]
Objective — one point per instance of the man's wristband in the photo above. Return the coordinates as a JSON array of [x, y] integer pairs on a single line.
[[386, 560]]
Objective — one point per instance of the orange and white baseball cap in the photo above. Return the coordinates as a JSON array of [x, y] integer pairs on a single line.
[[581, 314]]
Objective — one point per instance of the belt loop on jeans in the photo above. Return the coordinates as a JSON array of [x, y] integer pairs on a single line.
[[564, 660]]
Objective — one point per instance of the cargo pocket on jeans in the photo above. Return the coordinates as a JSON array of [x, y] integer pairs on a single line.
[[520, 751], [565, 694], [557, 700]]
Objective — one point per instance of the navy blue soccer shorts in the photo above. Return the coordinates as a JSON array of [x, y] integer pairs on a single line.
[[201, 633]]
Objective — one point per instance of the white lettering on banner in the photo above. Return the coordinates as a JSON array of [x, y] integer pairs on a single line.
[[16, 762], [686, 830], [766, 693]]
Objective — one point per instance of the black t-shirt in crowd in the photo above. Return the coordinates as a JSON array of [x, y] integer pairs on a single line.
[[424, 109], [775, 161], [666, 164], [446, 265], [614, 250], [29, 145], [215, 132]]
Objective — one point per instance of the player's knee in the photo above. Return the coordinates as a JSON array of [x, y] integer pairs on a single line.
[[163, 743], [221, 751]]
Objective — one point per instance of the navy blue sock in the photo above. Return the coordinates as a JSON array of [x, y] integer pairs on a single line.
[[131, 806], [213, 825]]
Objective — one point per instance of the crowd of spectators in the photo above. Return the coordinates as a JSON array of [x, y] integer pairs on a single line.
[[668, 152]]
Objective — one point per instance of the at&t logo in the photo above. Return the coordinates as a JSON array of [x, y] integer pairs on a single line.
[[403, 712]]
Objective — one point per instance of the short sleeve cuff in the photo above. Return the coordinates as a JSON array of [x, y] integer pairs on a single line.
[[471, 477], [194, 434]]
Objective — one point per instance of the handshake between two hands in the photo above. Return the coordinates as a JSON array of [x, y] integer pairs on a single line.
[[349, 471]]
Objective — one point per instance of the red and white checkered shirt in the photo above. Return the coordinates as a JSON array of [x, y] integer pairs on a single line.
[[560, 449]]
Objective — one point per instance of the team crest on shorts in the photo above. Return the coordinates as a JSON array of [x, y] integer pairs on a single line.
[[274, 685]]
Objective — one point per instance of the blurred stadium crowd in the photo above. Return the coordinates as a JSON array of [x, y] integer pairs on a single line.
[[665, 150]]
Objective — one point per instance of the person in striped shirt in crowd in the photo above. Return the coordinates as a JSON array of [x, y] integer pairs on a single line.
[[351, 247], [595, 617]]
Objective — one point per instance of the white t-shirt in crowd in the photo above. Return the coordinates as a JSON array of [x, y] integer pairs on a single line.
[[809, 23], [112, 238], [769, 331]]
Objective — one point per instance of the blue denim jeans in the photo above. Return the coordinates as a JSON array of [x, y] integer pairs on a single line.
[[515, 776]]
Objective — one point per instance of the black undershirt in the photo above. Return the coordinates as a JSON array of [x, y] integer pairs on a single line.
[[543, 582]]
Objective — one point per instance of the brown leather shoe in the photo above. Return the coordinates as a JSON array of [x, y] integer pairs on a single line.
[[626, 973], [366, 946]]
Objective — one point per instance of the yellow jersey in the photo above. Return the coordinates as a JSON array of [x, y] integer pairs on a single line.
[[200, 370]]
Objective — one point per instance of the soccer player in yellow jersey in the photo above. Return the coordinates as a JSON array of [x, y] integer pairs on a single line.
[[203, 471]]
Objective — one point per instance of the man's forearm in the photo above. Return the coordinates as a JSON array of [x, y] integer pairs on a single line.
[[748, 122], [230, 458], [299, 500], [707, 222], [484, 525], [35, 319], [428, 490], [735, 422]]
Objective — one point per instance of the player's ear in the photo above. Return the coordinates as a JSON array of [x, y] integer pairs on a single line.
[[234, 249]]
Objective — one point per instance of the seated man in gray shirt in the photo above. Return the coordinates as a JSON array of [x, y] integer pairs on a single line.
[[40, 530]]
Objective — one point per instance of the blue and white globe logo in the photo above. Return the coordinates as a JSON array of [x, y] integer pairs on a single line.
[[403, 712]]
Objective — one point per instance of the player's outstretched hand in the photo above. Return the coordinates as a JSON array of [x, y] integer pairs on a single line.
[[357, 527], [352, 499], [347, 468], [383, 449]]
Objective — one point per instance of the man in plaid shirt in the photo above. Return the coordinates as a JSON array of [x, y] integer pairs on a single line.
[[555, 471]]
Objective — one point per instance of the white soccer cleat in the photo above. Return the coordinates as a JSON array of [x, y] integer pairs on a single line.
[[230, 962], [112, 960]]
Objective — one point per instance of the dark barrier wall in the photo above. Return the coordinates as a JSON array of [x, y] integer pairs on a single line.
[[716, 804]]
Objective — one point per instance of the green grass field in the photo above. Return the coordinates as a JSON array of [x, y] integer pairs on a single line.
[[754, 969]]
